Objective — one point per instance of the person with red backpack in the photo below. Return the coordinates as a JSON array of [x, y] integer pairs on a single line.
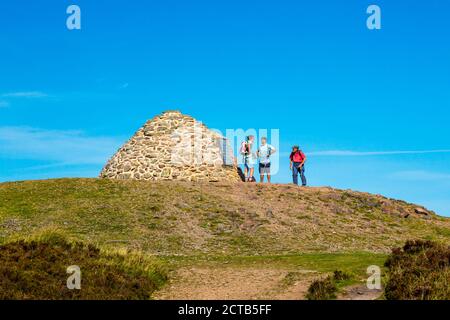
[[297, 165]]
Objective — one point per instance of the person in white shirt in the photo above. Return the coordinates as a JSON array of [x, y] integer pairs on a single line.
[[265, 151]]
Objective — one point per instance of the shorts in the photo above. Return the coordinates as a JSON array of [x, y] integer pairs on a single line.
[[249, 163], [264, 168]]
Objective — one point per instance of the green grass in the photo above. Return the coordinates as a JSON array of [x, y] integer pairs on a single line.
[[443, 231], [354, 263]]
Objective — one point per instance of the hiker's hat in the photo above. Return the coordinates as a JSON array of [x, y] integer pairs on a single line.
[[295, 147]]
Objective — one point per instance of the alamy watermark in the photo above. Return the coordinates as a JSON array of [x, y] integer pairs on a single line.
[[73, 21], [74, 280], [196, 145], [374, 20], [374, 280]]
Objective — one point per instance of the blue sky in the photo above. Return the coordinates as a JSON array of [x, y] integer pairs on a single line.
[[370, 108]]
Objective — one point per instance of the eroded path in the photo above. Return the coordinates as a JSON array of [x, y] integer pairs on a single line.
[[359, 292], [236, 283], [281, 277]]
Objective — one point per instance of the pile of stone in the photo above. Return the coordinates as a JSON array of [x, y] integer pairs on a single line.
[[174, 146]]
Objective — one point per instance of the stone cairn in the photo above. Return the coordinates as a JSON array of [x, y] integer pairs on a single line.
[[173, 146]]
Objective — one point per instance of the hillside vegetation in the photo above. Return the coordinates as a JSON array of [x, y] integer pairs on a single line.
[[217, 240], [180, 218], [176, 218], [37, 269], [419, 271]]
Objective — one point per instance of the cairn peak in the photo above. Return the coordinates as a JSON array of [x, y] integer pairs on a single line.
[[174, 146]]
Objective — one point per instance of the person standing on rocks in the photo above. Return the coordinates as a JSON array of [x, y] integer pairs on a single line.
[[249, 159], [264, 152], [297, 165]]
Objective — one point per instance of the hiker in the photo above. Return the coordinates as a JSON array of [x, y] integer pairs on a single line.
[[297, 165], [264, 152], [249, 161]]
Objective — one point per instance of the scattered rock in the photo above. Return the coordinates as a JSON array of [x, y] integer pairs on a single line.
[[12, 225], [421, 211], [269, 213]]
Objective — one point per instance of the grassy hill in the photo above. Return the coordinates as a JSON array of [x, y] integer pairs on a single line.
[[175, 218], [222, 231]]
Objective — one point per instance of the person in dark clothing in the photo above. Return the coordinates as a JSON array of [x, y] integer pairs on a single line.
[[297, 165]]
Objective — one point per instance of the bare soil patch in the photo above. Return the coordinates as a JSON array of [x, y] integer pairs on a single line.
[[235, 283]]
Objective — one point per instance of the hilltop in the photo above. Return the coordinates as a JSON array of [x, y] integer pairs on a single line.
[[223, 230], [182, 218]]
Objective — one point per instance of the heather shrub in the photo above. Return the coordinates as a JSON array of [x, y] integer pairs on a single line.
[[419, 271], [37, 269]]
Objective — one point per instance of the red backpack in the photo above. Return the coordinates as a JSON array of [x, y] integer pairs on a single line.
[[300, 153]]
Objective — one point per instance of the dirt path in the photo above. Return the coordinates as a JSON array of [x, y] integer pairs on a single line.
[[359, 292], [236, 283]]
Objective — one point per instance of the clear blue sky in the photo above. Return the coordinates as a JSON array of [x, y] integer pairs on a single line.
[[364, 105]]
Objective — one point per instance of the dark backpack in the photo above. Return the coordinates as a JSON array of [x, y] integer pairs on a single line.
[[245, 148], [302, 155]]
